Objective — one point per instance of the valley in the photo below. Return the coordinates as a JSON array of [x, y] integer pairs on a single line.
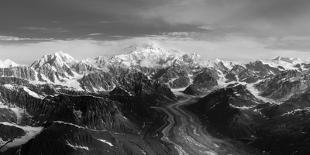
[[152, 100]]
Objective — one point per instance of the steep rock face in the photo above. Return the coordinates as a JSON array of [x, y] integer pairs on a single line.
[[203, 81], [22, 72], [64, 138], [93, 112], [242, 74], [82, 67], [59, 67], [207, 78], [251, 72], [13, 80], [8, 115], [180, 82], [276, 129], [38, 88], [285, 133], [54, 67], [140, 80], [261, 69], [227, 111], [223, 66], [100, 61], [192, 90], [284, 85], [138, 96], [137, 84], [19, 97], [298, 102], [139, 105], [8, 132], [175, 76], [97, 81], [167, 66], [90, 114]]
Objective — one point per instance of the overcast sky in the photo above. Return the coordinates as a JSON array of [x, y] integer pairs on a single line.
[[229, 29]]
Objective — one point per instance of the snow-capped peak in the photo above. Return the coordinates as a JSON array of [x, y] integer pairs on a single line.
[[7, 63], [280, 59], [219, 63], [58, 59], [99, 62], [149, 49], [147, 55], [64, 56], [284, 62]]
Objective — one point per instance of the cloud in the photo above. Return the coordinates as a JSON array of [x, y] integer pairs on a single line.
[[20, 39], [44, 29], [263, 17], [298, 43], [78, 18], [220, 27], [12, 38]]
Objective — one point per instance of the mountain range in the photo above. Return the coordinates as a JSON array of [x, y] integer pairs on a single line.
[[118, 104]]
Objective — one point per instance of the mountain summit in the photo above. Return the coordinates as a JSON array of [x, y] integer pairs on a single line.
[[150, 55], [57, 59], [7, 63], [280, 59]]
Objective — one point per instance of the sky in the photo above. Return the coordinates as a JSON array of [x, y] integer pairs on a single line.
[[228, 29]]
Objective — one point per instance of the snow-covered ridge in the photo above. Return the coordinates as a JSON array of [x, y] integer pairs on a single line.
[[285, 62], [280, 59], [62, 69], [57, 59], [8, 63], [147, 55]]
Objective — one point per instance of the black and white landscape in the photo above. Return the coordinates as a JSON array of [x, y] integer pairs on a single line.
[[152, 100], [154, 77]]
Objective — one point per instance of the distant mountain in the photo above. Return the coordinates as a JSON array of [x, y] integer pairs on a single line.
[[280, 59], [152, 55], [95, 105], [234, 113], [172, 67], [8, 63], [286, 63]]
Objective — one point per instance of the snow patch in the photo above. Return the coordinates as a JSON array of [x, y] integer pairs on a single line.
[[31, 132], [66, 123], [256, 93], [78, 146], [295, 111], [34, 94], [241, 107], [107, 142], [9, 86]]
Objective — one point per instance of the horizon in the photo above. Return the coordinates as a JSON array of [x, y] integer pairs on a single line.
[[180, 52], [165, 77]]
